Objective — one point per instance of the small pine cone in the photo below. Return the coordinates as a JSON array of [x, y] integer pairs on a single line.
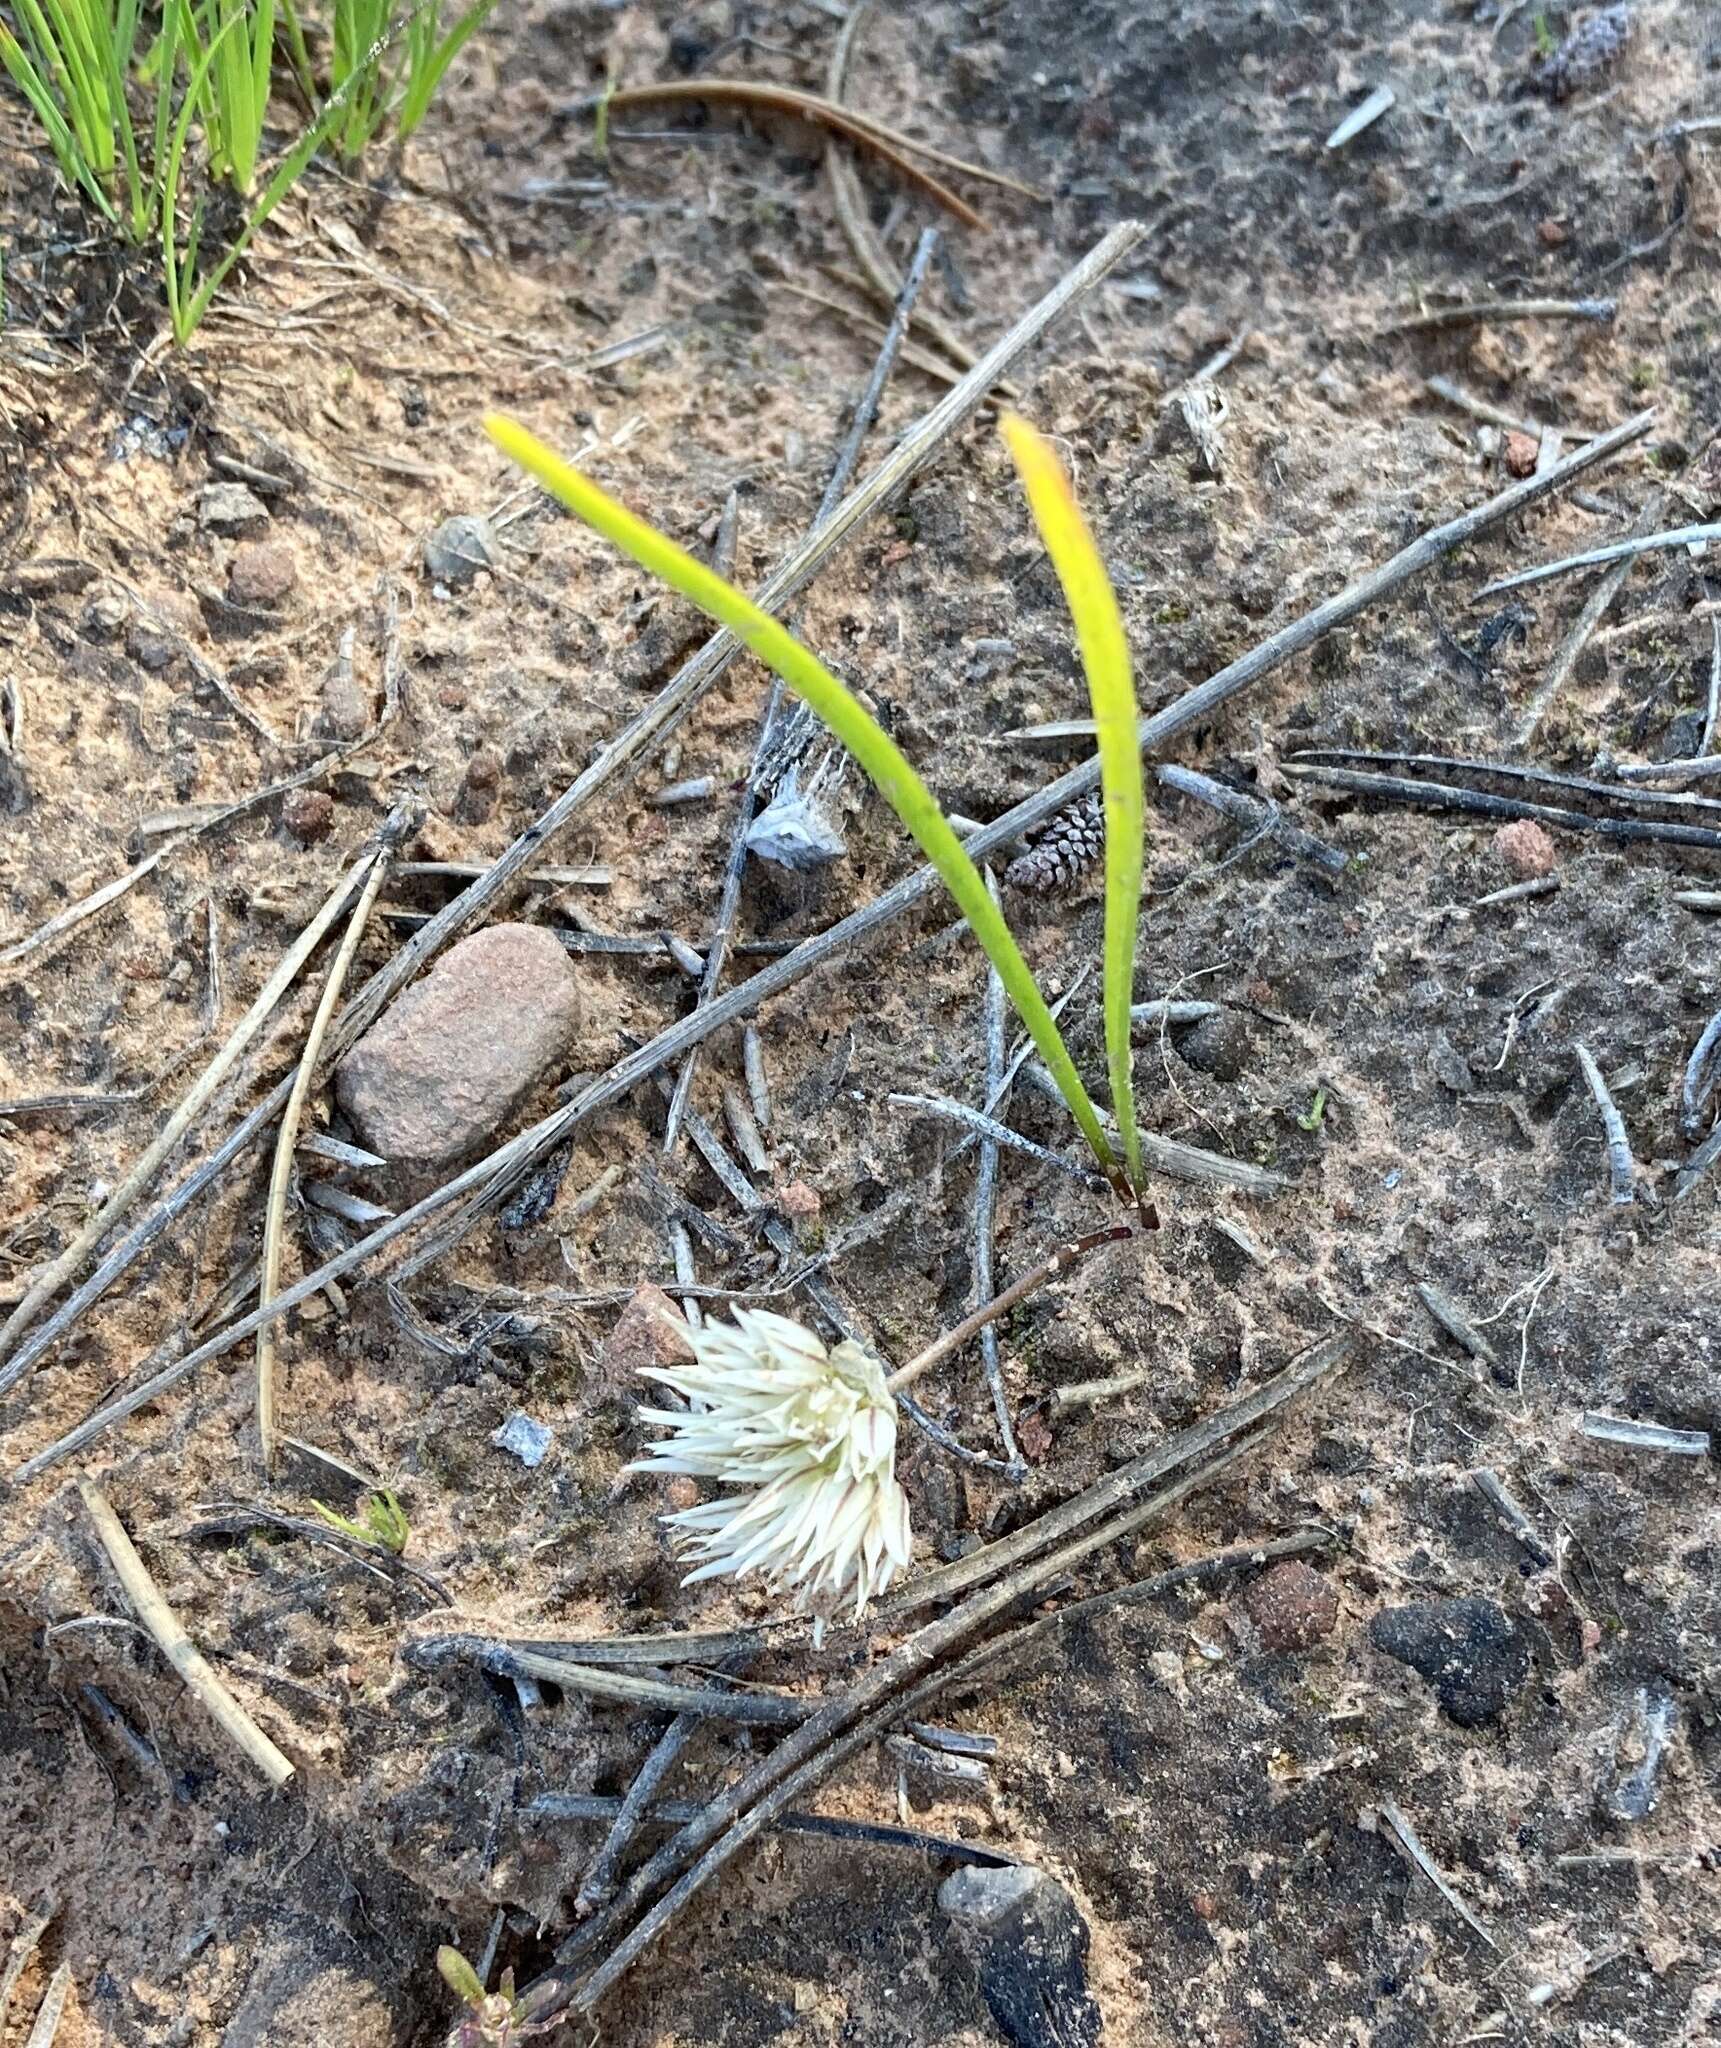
[[1073, 840], [1591, 48]]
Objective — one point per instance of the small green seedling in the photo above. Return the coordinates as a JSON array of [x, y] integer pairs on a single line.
[[72, 64], [1099, 633], [1544, 35], [239, 38], [359, 32], [384, 1523], [1316, 1110], [493, 2019]]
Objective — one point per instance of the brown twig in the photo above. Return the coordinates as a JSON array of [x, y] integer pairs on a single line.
[[829, 111], [1455, 1323], [596, 876], [1511, 1514], [1448, 796], [1019, 1642], [630, 1814], [675, 1813], [233, 1518], [1179, 1161], [1692, 1172], [885, 143], [513, 1660], [1595, 609], [401, 822], [990, 1131], [52, 2009], [1017, 1292], [97, 900], [1454, 394], [986, 1196], [865, 319], [849, 204], [1090, 1393], [735, 866], [1262, 819], [1591, 558], [807, 1757], [685, 1646], [1495, 311], [1107, 1495], [61, 1268], [1514, 771], [1702, 1072], [1694, 768], [200, 818], [1622, 1174], [1411, 1843], [185, 1657], [22, 1947]]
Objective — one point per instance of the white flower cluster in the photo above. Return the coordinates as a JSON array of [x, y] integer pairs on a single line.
[[810, 1435]]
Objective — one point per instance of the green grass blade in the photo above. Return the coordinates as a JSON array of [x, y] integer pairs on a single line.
[[361, 35], [124, 40], [425, 78], [165, 59], [177, 274], [1111, 690], [194, 24], [298, 55], [885, 763], [116, 49], [64, 63], [268, 24], [282, 180], [231, 82], [68, 152], [63, 37], [262, 59]]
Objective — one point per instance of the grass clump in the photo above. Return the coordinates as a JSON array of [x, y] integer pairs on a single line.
[[229, 45], [72, 60], [147, 115], [385, 70]]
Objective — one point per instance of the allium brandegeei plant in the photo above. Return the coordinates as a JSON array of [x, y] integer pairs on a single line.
[[809, 1436]]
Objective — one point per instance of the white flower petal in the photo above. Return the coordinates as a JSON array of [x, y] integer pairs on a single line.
[[808, 1440]]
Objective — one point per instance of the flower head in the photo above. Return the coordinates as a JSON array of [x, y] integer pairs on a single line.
[[811, 1435]]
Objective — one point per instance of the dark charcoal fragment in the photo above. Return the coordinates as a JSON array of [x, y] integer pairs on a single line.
[[1029, 1943], [538, 1195], [1468, 1650]]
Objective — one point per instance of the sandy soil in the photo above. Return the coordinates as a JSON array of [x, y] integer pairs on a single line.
[[1213, 1804]]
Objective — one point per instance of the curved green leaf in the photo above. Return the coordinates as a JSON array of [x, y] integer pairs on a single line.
[[1111, 690]]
